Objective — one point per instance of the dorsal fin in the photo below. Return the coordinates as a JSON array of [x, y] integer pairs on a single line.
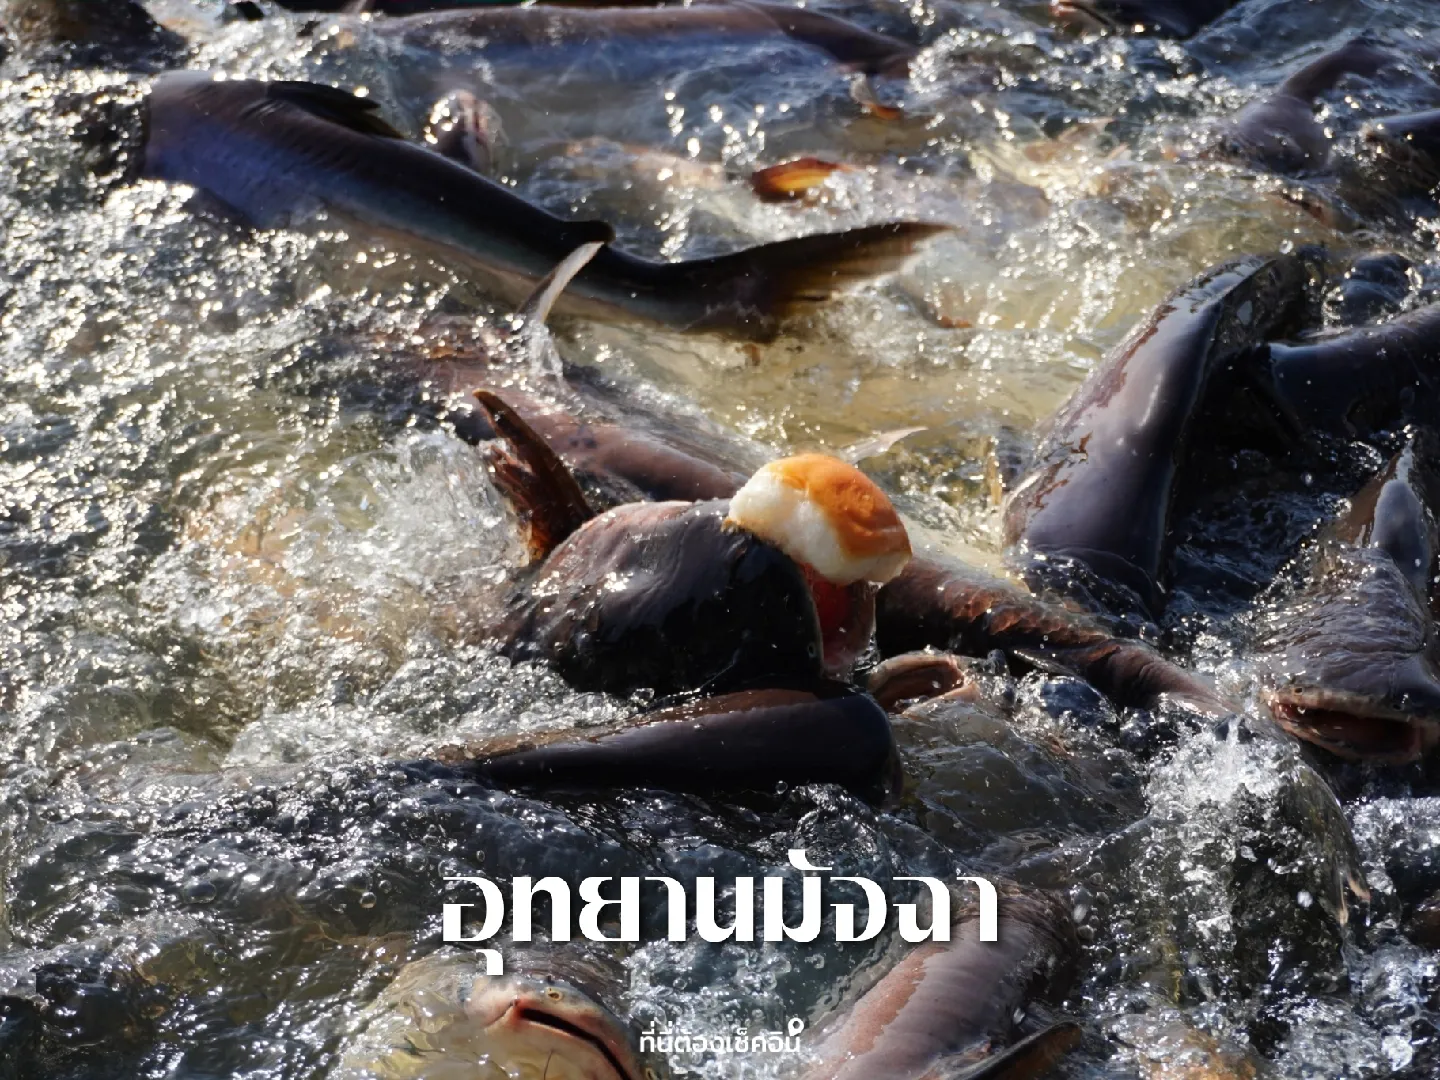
[[531, 336], [337, 106], [532, 477], [536, 309], [875, 445]]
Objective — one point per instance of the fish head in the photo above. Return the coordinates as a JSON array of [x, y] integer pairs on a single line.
[[541, 1027], [1406, 148], [466, 129], [1352, 662], [1354, 726], [837, 525]]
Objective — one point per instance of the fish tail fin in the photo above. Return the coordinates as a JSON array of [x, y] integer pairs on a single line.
[[747, 294], [542, 491]]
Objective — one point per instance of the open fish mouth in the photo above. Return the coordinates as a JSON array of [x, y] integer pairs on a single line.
[[1352, 727], [521, 1013], [847, 620]]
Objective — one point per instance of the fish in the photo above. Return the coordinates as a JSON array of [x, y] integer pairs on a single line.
[[948, 606], [465, 129], [279, 152], [944, 1007], [388, 7], [1393, 177], [551, 26], [1356, 383], [673, 597], [663, 596], [93, 33], [1169, 18], [1351, 661], [1388, 179], [442, 1018], [814, 732], [1091, 518], [793, 179], [1374, 285], [1280, 132], [1408, 149], [614, 460]]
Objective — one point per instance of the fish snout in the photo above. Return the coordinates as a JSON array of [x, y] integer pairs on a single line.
[[1416, 692], [492, 1005]]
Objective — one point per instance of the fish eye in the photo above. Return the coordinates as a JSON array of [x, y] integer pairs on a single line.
[[553, 994]]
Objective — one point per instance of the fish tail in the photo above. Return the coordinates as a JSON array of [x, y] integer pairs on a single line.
[[749, 293]]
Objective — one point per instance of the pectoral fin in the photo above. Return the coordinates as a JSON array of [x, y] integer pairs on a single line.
[[337, 106], [532, 477]]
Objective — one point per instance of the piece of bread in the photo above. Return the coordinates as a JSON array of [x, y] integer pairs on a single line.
[[825, 514]]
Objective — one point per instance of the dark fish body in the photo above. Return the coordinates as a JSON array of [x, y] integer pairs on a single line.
[[654, 469], [1407, 150], [92, 32], [1361, 381], [1280, 131], [672, 597], [1171, 18], [665, 596], [748, 740], [1375, 285], [1393, 178], [549, 27], [1353, 660], [944, 1006], [614, 462], [955, 608], [1092, 516], [397, 7], [275, 153]]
